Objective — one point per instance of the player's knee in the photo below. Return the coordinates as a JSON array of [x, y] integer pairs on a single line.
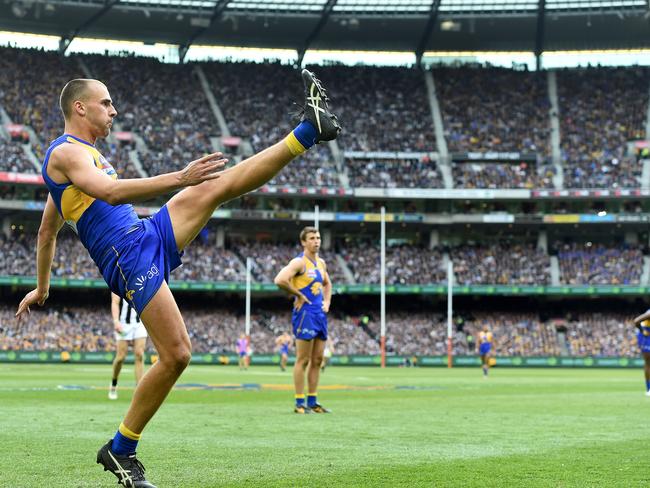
[[119, 358], [302, 362], [182, 358], [138, 354], [177, 359], [317, 360]]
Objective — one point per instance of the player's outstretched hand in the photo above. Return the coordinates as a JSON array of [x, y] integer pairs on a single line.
[[34, 296], [203, 169]]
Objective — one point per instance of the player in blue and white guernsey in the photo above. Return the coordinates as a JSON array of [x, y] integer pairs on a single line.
[[135, 256], [306, 279], [642, 322]]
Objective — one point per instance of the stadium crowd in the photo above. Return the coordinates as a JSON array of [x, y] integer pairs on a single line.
[[598, 264], [601, 109], [500, 263], [405, 264], [385, 109], [393, 173], [13, 158], [494, 109], [215, 330], [501, 175]]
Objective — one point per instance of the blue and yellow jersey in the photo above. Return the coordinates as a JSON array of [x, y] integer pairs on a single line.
[[98, 224], [485, 337], [310, 282], [645, 327]]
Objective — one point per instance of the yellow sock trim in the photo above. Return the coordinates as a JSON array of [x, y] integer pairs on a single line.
[[294, 145], [128, 433], [312, 394], [302, 395]]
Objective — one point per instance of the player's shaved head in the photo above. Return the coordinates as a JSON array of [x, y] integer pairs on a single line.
[[74, 90]]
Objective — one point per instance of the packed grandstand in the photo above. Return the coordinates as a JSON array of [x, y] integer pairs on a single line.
[[569, 132]]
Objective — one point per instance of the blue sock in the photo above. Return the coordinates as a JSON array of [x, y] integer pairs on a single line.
[[311, 400], [306, 134], [300, 400], [647, 385], [122, 445]]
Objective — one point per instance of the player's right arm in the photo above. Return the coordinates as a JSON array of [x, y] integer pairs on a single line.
[[70, 162], [115, 312], [642, 317], [284, 277], [51, 224]]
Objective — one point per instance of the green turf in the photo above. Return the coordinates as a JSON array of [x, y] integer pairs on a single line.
[[521, 427]]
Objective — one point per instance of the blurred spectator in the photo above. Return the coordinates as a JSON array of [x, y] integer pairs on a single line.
[[597, 264], [601, 109], [494, 109]]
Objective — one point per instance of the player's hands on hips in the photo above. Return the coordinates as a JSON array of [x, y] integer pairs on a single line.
[[300, 301], [326, 307], [34, 296], [203, 169]]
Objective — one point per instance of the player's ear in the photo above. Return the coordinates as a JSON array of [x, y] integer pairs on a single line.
[[79, 107]]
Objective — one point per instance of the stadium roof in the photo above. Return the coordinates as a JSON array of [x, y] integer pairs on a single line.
[[391, 25]]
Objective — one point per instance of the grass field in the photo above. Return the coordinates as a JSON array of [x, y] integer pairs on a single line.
[[397, 427]]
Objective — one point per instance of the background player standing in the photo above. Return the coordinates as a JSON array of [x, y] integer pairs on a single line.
[[129, 329], [306, 278], [283, 342], [485, 340], [242, 350]]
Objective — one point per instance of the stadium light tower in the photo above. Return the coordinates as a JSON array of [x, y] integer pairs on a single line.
[[217, 12], [325, 14], [65, 41], [539, 34], [428, 30]]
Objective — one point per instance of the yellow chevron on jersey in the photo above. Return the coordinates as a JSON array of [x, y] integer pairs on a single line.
[[75, 202], [313, 275], [310, 281], [485, 337]]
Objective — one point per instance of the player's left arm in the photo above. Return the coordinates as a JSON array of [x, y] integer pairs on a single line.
[[51, 224], [327, 290]]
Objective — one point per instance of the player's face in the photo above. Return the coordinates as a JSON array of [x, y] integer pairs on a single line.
[[100, 111], [312, 242]]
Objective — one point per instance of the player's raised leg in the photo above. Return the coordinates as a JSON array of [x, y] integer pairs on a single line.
[[191, 209], [303, 356], [167, 331]]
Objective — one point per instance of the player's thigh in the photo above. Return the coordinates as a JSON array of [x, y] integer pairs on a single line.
[[318, 350], [646, 358], [190, 210], [303, 349], [165, 325]]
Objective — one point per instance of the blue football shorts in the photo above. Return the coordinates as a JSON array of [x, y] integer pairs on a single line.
[[309, 324], [484, 348], [643, 341], [143, 259]]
